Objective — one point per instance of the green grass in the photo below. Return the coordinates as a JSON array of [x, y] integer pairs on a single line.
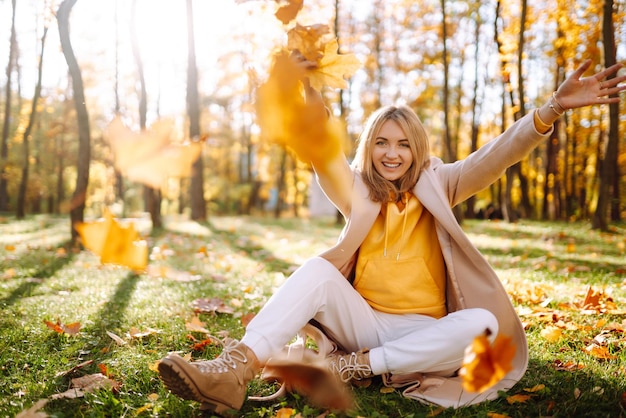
[[546, 267]]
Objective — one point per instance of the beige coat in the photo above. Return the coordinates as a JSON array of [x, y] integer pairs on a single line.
[[471, 282]]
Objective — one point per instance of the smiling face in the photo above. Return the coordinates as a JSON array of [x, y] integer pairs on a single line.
[[391, 151]]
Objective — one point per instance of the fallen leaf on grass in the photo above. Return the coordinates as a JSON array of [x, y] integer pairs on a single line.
[[536, 388], [196, 325], [34, 411], [484, 364], [73, 369], [599, 352], [213, 305], [517, 398], [87, 384], [552, 334], [69, 329]]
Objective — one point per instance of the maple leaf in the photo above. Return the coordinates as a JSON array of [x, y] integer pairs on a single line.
[[308, 42], [332, 69], [150, 157], [484, 364], [114, 243], [69, 329], [285, 118], [289, 11]]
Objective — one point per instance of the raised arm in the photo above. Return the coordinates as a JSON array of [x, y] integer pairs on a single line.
[[577, 91]]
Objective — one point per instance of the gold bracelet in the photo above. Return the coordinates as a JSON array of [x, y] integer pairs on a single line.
[[540, 124], [553, 107]]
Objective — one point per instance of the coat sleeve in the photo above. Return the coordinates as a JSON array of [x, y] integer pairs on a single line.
[[464, 178], [336, 179]]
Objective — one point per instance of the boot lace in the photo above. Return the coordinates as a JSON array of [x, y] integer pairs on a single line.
[[229, 358], [349, 366]]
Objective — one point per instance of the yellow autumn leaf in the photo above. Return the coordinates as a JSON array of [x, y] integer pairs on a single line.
[[519, 398], [150, 157], [114, 243], [552, 334], [289, 11], [333, 68], [287, 119], [484, 364], [308, 41]]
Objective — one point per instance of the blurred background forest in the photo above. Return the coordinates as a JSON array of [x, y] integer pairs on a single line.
[[468, 68]]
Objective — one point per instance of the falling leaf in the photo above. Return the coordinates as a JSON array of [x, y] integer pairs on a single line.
[[34, 411], [69, 329], [151, 157], [114, 243], [289, 11], [484, 364], [310, 379]]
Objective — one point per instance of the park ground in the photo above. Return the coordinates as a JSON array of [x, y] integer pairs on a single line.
[[78, 338]]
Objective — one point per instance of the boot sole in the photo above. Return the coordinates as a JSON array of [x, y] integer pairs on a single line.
[[176, 379]]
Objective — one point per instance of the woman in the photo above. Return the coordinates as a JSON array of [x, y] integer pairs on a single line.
[[403, 292]]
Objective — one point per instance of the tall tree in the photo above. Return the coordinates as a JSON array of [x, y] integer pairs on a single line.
[[609, 175], [152, 196], [77, 210], [21, 196], [4, 147], [198, 204]]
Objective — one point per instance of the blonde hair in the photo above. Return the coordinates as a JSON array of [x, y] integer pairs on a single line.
[[381, 189]]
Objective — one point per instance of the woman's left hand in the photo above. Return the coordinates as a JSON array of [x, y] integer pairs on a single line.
[[596, 89]]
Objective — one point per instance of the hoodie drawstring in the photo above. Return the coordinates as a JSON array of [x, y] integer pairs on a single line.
[[405, 200]]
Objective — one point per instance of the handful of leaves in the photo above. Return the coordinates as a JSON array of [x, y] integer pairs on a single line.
[[290, 111]]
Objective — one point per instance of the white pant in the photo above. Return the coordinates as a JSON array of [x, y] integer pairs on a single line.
[[398, 343]]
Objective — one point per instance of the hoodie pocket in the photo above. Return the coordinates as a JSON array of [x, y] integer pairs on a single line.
[[402, 286]]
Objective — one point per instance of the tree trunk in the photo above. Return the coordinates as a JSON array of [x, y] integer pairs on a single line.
[[198, 203], [610, 170], [4, 147], [77, 210], [21, 197], [470, 210], [151, 196]]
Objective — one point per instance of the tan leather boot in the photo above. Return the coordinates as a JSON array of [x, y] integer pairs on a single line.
[[352, 366], [219, 384]]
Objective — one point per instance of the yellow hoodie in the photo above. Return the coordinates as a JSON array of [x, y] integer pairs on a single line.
[[400, 267]]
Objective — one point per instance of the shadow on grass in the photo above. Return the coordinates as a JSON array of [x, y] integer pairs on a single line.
[[236, 241], [112, 313], [45, 271]]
